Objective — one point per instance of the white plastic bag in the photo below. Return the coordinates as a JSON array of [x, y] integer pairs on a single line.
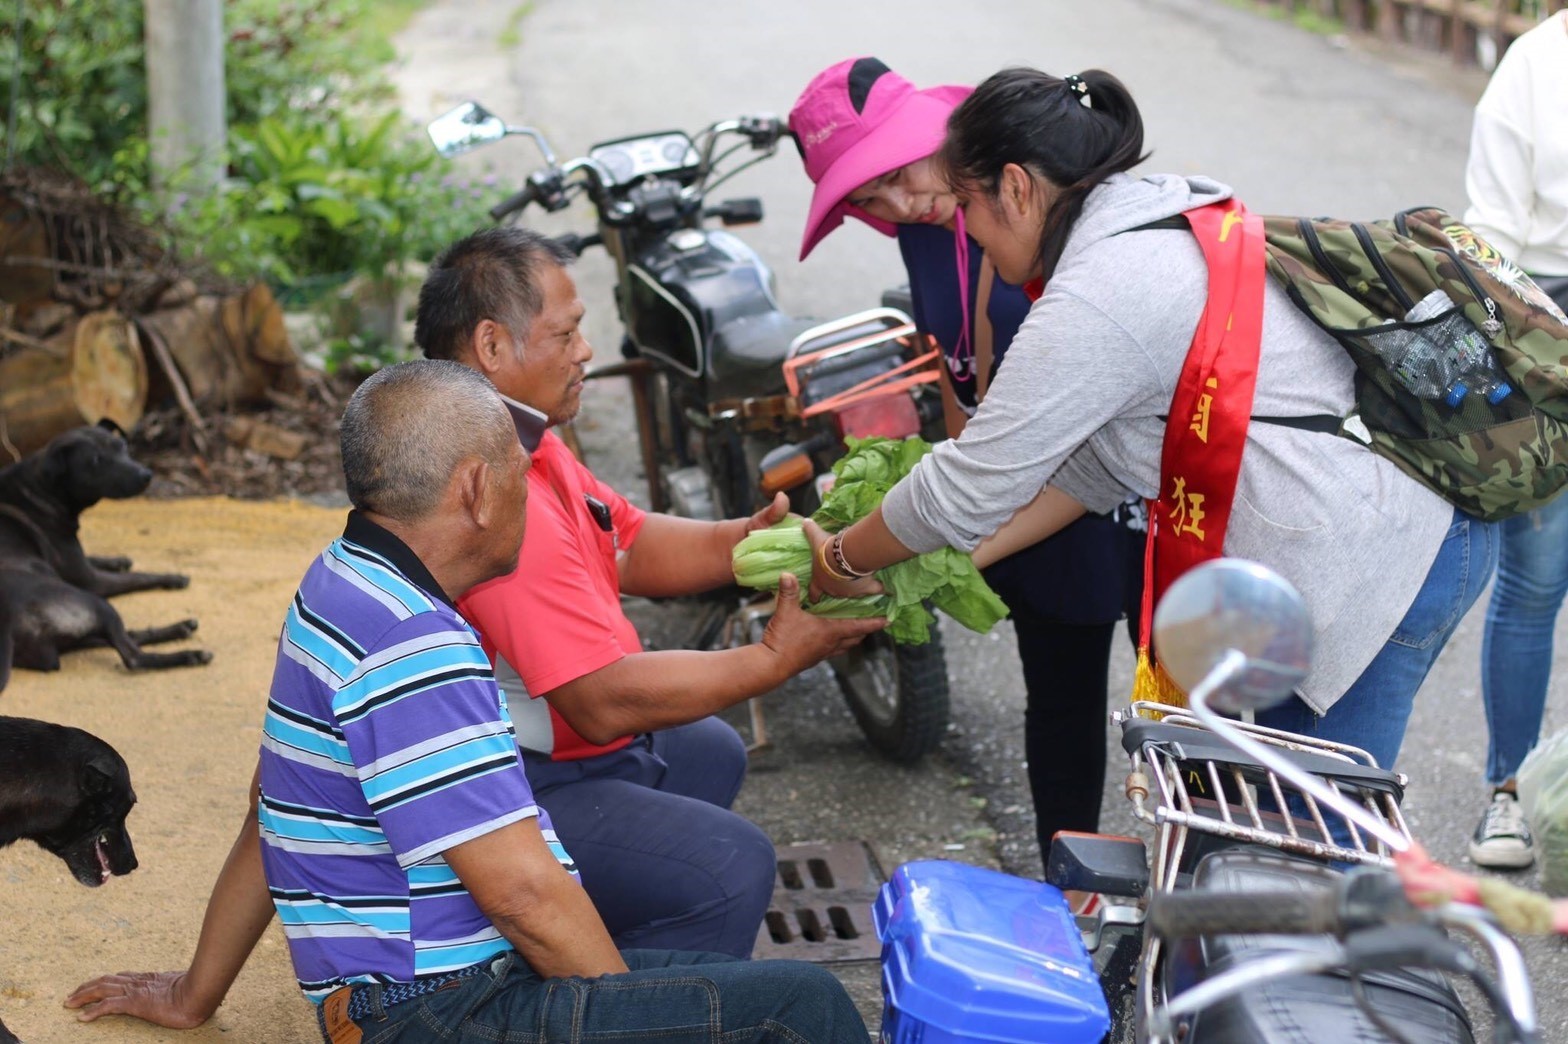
[[1543, 796]]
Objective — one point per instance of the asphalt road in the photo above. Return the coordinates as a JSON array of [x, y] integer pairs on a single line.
[[1297, 122]]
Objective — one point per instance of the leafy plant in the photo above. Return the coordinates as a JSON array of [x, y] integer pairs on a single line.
[[83, 83], [946, 577], [82, 106], [311, 196], [362, 354]]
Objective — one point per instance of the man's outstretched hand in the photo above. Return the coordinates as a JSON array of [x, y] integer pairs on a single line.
[[157, 997], [802, 639], [770, 515]]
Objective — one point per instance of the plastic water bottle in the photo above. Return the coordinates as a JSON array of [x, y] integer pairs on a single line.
[[1478, 369], [1474, 367], [1445, 360], [1415, 361]]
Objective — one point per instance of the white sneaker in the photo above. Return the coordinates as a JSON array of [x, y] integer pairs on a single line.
[[1502, 841]]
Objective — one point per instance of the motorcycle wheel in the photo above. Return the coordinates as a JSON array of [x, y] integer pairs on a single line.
[[897, 693]]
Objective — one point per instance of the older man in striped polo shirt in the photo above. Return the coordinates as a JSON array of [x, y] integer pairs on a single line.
[[417, 880], [420, 885]]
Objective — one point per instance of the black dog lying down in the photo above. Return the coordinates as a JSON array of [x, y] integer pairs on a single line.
[[52, 593], [69, 791]]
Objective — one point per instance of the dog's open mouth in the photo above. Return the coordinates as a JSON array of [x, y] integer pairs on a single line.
[[100, 844]]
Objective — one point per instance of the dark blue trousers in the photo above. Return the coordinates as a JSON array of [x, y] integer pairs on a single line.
[[664, 860], [675, 998]]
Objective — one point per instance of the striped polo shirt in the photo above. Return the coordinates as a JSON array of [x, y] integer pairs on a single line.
[[386, 742]]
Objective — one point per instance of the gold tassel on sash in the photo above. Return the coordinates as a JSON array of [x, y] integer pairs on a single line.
[[1150, 682]]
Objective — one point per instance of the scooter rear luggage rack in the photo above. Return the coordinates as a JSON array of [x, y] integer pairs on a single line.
[[1219, 796]]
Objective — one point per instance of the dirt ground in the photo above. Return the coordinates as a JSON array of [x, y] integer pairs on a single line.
[[189, 736]]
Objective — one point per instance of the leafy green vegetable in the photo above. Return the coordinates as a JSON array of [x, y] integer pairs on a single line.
[[781, 548], [946, 578], [760, 557], [863, 476]]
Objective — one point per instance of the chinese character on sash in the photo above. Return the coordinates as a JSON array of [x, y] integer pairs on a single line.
[[1188, 510], [1200, 418]]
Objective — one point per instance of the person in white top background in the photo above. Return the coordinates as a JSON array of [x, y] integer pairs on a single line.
[[1517, 181]]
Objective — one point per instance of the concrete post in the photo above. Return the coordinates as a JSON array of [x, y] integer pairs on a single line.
[[185, 92]]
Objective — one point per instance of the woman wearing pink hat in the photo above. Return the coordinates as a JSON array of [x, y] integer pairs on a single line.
[[1097, 402], [867, 137]]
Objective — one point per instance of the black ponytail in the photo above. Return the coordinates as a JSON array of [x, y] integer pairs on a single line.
[[1074, 133]]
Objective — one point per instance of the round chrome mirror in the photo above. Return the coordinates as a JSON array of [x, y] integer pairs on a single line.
[[1231, 605], [464, 127]]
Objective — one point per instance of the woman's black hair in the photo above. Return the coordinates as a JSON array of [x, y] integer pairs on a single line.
[[1074, 132]]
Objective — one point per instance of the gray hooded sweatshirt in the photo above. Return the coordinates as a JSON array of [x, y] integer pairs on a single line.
[[1078, 403]]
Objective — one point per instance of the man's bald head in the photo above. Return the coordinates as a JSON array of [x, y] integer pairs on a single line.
[[408, 428]]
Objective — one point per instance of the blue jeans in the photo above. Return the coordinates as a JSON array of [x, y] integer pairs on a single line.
[[1373, 712], [666, 863], [1516, 648], [674, 997]]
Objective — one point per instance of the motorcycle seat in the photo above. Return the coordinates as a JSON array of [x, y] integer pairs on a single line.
[[1304, 1009], [746, 357], [1184, 743]]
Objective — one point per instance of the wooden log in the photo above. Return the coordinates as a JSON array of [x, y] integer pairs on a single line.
[[230, 350], [90, 370], [23, 235]]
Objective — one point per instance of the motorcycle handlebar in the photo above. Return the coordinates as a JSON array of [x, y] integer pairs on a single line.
[[512, 204], [550, 187], [1363, 898], [1185, 914], [763, 131]]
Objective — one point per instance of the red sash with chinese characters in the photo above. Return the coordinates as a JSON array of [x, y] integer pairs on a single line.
[[1207, 427]]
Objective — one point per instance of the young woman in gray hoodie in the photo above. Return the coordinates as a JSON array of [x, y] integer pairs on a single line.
[[1076, 417]]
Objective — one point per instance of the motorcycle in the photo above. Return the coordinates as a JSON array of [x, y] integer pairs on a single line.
[[736, 400], [1270, 912]]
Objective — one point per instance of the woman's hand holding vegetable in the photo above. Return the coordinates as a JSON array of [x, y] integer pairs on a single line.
[[841, 565], [828, 576]]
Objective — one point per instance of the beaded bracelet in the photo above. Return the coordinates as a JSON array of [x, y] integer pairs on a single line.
[[827, 567], [843, 564]]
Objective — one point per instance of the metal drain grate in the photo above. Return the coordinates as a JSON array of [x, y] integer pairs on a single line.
[[821, 909]]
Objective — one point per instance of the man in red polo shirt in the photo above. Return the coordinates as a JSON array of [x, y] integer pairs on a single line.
[[618, 743]]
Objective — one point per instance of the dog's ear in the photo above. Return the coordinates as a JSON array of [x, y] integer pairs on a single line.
[[55, 462], [108, 424], [100, 774]]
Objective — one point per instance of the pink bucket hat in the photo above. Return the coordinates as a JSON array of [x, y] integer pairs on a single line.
[[856, 121]]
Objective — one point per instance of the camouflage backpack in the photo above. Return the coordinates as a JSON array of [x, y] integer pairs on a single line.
[[1493, 449]]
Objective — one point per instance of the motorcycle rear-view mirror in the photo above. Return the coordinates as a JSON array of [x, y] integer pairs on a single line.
[[1229, 606], [465, 127]]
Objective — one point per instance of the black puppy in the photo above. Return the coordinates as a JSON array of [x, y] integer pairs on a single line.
[[69, 791], [52, 593]]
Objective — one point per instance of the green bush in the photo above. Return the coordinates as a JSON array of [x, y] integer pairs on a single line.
[[83, 83], [311, 196], [82, 106]]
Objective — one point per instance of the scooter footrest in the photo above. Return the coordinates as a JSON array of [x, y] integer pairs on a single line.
[[1098, 863]]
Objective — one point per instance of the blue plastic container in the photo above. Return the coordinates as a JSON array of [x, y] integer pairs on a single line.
[[969, 954]]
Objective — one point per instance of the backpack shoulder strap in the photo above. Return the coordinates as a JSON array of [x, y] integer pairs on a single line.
[[1322, 422], [1176, 222]]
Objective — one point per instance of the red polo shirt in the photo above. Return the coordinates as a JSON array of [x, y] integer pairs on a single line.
[[557, 616]]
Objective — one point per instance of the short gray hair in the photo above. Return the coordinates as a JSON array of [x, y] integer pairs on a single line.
[[408, 428]]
